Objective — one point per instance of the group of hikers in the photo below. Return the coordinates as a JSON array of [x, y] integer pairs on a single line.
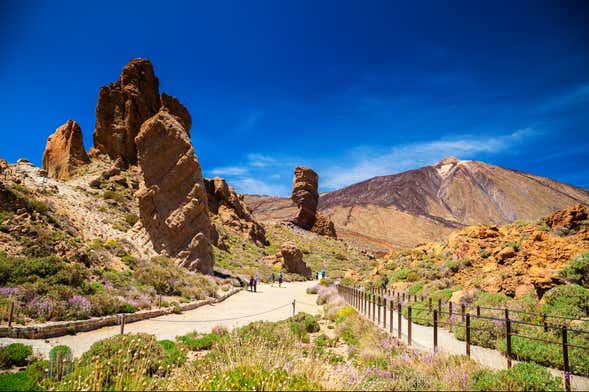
[[254, 280]]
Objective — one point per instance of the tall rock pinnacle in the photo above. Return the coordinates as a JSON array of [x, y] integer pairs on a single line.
[[65, 152]]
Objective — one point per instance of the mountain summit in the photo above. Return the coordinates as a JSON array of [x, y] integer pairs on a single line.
[[427, 203]]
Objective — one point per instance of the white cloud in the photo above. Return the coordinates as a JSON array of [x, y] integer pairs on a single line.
[[368, 163], [229, 171], [574, 96], [254, 186]]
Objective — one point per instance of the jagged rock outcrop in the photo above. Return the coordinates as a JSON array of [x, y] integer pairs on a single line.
[[65, 152], [231, 209], [172, 196], [176, 109], [305, 196], [122, 108], [569, 218]]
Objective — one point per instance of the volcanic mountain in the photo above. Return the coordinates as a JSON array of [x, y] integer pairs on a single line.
[[416, 206]]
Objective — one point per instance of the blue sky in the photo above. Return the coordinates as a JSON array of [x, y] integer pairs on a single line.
[[353, 89]]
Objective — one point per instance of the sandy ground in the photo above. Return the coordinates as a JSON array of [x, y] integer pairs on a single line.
[[270, 303]]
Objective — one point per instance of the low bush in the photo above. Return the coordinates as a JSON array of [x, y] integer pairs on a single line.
[[15, 354], [195, 342], [521, 377], [174, 356], [570, 300], [578, 270], [258, 379]]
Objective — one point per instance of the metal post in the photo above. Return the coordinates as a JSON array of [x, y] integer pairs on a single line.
[[400, 319], [462, 311], [391, 317], [398, 296], [378, 304], [122, 324], [544, 322], [409, 325], [565, 359], [468, 334], [478, 310], [435, 330], [384, 314], [368, 304], [11, 314], [294, 301], [403, 297], [508, 337], [439, 306], [160, 302], [449, 310], [430, 304], [373, 308]]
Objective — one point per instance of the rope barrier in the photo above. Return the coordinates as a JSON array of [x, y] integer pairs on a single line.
[[224, 319]]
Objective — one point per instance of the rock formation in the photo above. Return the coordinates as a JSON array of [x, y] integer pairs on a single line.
[[569, 218], [172, 196], [305, 195], [176, 109], [291, 258], [65, 152], [122, 108], [231, 209]]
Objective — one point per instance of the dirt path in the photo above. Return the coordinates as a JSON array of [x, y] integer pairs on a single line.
[[269, 303]]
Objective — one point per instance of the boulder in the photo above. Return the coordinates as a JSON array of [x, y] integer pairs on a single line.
[[64, 152], [172, 197], [292, 259], [323, 226], [506, 253], [122, 108], [569, 218], [224, 202]]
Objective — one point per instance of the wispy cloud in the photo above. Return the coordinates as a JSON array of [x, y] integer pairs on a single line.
[[258, 187], [250, 121], [368, 162], [229, 171], [577, 95]]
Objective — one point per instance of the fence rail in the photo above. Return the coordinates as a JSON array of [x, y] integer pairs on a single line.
[[372, 303]]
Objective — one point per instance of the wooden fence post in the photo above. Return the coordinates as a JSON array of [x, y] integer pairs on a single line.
[[449, 310], [430, 304], [294, 301], [565, 359], [400, 319], [478, 310], [122, 323], [10, 314], [378, 310], [508, 337], [462, 311], [435, 330], [439, 306], [373, 308], [468, 334], [409, 325]]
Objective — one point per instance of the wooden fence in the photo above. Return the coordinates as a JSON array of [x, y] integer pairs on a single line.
[[376, 303]]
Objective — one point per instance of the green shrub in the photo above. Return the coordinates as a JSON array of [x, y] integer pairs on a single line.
[[204, 342], [60, 362], [485, 253], [521, 377], [173, 355], [578, 270], [454, 265], [255, 379], [112, 195], [569, 300], [15, 354], [543, 226], [131, 219], [415, 288], [19, 381]]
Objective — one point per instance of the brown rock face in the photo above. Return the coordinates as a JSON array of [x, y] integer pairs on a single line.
[[292, 259], [231, 209], [323, 226], [569, 218], [176, 109], [172, 196], [305, 196], [65, 152], [122, 107]]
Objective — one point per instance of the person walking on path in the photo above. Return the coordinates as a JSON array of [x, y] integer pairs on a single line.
[[323, 274], [251, 283], [272, 279], [256, 280], [316, 275], [280, 279]]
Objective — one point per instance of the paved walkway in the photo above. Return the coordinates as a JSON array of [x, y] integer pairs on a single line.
[[270, 303], [422, 339]]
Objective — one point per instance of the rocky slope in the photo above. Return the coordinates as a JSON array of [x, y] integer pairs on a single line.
[[433, 201]]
